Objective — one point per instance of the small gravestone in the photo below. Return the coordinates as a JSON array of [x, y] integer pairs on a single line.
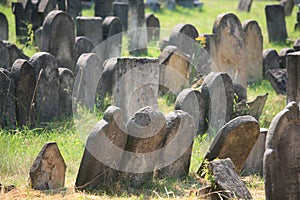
[[296, 44], [59, 38], [121, 11], [244, 5], [270, 60], [112, 34], [38, 33], [90, 27], [147, 132], [228, 182], [153, 5], [25, 83], [185, 3], [179, 133], [276, 23], [174, 70], [288, 6], [66, 82], [278, 79], [74, 8], [153, 27], [217, 91], [235, 141], [170, 4], [293, 93], [103, 152], [192, 102], [282, 56], [82, 45], [253, 50], [4, 27], [4, 56], [14, 53], [48, 170], [281, 157], [47, 86], [103, 8]]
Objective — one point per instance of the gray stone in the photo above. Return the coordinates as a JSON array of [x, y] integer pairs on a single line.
[[121, 11], [82, 45], [4, 56], [278, 79], [103, 8], [24, 77], [227, 180], [282, 56], [47, 86], [293, 91], [253, 50], [276, 23], [288, 6], [90, 27], [192, 102], [59, 38], [21, 21], [66, 82], [185, 3], [153, 5], [297, 44], [74, 8], [281, 158], [4, 27], [48, 170], [38, 33], [14, 53], [270, 60], [153, 27], [103, 152], [235, 140], [170, 4], [244, 5]]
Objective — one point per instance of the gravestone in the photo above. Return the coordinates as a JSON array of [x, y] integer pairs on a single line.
[[61, 4], [112, 34], [4, 27], [59, 38], [293, 81], [297, 24], [66, 82], [282, 56], [14, 53], [147, 132], [38, 33], [25, 83], [281, 157], [90, 27], [4, 56], [253, 51], [89, 71], [48, 169], [278, 79], [296, 44], [244, 5], [20, 19], [179, 133], [217, 91], [170, 4], [230, 54], [276, 23], [185, 3], [83, 45], [121, 11], [235, 141], [47, 86], [270, 60], [288, 6], [103, 152], [74, 8], [192, 102], [153, 27], [7, 100], [174, 70], [184, 37], [153, 5], [103, 8]]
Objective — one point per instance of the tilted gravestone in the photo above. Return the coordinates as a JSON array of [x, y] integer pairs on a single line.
[[90, 27], [48, 170], [4, 27], [178, 145], [253, 51], [244, 5], [74, 8], [121, 11], [293, 89], [25, 83], [270, 60], [59, 38], [66, 82], [278, 79], [4, 56], [288, 6], [147, 131], [103, 152], [153, 27], [103, 8], [276, 23], [82, 45], [281, 158], [47, 86]]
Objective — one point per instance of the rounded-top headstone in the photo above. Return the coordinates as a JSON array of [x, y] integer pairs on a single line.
[[153, 27], [111, 26], [282, 56], [297, 44], [270, 60], [83, 45], [90, 27], [4, 56], [4, 27]]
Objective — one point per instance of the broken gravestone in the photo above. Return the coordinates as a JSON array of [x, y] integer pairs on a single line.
[[48, 170]]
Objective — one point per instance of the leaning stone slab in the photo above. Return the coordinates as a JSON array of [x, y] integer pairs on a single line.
[[48, 170], [281, 158], [278, 79]]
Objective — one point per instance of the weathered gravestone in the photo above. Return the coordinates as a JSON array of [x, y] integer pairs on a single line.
[[7, 100], [270, 60], [25, 83], [20, 19], [89, 71], [217, 91], [74, 8], [38, 33], [244, 5], [66, 82], [4, 56], [253, 51], [288, 6], [296, 44], [103, 152], [174, 70], [153, 27], [278, 79], [281, 158], [282, 56], [14, 53], [59, 38], [192, 102], [147, 132], [47, 86], [276, 23], [177, 147], [235, 141], [121, 11], [90, 27], [48, 170], [3, 27], [103, 8], [293, 81], [82, 45]]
